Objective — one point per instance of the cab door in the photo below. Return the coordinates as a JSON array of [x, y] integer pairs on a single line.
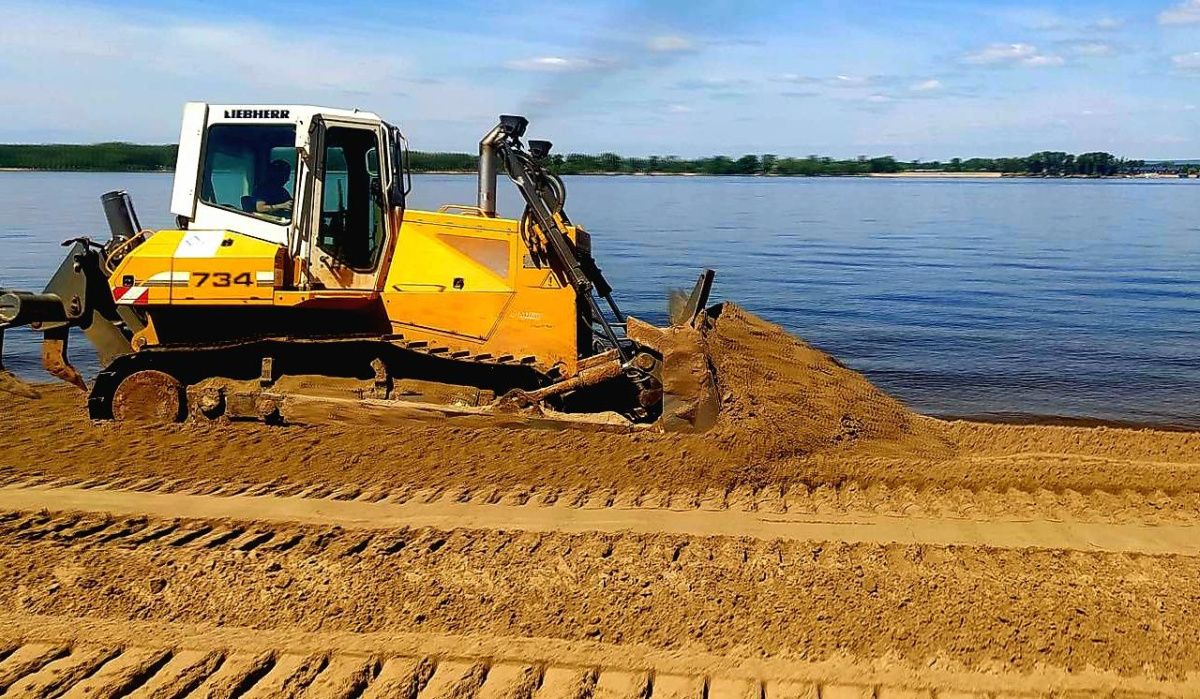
[[349, 228]]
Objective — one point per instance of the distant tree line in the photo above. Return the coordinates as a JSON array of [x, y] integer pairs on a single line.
[[443, 162], [1045, 163], [126, 157], [112, 157], [1050, 163]]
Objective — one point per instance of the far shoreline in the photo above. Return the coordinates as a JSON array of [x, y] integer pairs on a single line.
[[912, 174]]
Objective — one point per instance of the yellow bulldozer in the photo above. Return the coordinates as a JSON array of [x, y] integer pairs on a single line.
[[296, 286]]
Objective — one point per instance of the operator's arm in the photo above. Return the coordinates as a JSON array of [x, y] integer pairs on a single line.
[[263, 207]]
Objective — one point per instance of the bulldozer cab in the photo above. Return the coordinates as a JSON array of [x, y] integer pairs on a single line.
[[328, 184]]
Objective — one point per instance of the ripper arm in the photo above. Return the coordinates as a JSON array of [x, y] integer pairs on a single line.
[[77, 296]]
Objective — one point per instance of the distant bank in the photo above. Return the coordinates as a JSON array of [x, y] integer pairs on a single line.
[[130, 157], [939, 174]]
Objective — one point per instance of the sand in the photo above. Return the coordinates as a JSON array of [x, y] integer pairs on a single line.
[[801, 599], [819, 522], [790, 415]]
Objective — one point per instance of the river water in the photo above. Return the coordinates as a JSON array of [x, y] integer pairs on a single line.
[[986, 298]]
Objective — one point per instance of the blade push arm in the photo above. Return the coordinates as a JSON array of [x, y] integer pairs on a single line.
[[544, 204]]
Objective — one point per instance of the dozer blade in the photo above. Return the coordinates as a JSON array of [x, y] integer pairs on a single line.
[[690, 402], [689, 392], [689, 389]]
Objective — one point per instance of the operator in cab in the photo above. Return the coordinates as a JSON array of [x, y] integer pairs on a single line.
[[271, 197]]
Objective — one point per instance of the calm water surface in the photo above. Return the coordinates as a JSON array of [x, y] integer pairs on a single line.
[[983, 298]]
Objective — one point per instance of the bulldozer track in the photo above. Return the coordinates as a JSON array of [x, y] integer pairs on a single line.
[[100, 400], [45, 658], [569, 512]]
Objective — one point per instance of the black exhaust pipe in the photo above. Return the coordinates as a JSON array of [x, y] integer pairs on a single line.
[[122, 219]]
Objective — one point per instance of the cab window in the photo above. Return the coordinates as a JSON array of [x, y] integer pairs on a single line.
[[251, 169], [352, 212]]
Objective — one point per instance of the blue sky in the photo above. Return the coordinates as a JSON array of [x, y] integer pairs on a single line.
[[914, 78]]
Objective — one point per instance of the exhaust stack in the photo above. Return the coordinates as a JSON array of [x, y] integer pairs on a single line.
[[122, 219], [489, 159], [510, 126]]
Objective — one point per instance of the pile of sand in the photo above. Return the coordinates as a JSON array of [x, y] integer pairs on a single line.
[[785, 398]]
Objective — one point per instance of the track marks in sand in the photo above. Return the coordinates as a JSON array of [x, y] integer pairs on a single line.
[[252, 664], [980, 605], [64, 673], [183, 672], [92, 512], [120, 674], [27, 659], [1116, 506]]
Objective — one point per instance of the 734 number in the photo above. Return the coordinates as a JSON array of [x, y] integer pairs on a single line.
[[223, 279]]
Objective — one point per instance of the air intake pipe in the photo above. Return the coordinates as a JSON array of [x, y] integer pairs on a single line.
[[510, 127]]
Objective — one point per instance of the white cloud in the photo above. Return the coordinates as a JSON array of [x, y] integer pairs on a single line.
[[1092, 48], [851, 80], [1043, 20], [559, 64], [1002, 53], [1186, 12], [715, 84], [679, 109], [1107, 24], [249, 52], [1012, 55], [1048, 24], [1041, 60], [1187, 62], [878, 98], [796, 78], [67, 60], [268, 61], [931, 85], [670, 43]]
